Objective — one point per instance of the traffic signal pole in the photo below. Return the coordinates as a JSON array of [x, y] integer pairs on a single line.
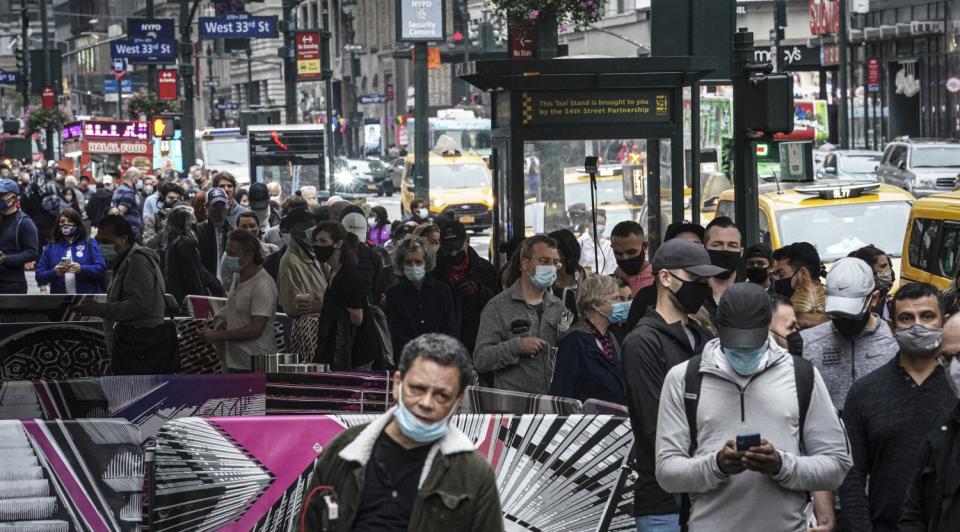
[[289, 61], [187, 122], [421, 152], [745, 208], [25, 52], [47, 72], [327, 74]]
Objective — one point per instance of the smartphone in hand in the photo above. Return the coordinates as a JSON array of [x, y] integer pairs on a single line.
[[746, 441]]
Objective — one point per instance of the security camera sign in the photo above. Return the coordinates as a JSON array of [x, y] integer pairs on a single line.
[[420, 20]]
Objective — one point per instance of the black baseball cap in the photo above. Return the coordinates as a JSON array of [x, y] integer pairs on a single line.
[[683, 226], [758, 251], [743, 316], [680, 254], [259, 196], [452, 236]]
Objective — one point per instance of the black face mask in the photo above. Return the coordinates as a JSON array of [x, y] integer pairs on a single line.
[[794, 343], [728, 260], [850, 328], [784, 286], [323, 252], [691, 295], [456, 258], [758, 275], [631, 266]]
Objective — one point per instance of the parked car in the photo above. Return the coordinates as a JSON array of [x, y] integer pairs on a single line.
[[370, 175], [920, 167], [849, 165]]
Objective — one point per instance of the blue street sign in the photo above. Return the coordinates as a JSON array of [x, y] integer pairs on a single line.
[[228, 106], [145, 50], [150, 28], [372, 98], [8, 77], [126, 85], [242, 25], [110, 86]]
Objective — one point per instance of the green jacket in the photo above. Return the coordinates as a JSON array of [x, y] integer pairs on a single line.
[[458, 489]]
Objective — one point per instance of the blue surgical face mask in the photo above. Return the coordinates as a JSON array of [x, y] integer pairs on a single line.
[[415, 429], [109, 252], [414, 273], [745, 361], [544, 277], [619, 312], [231, 264], [286, 238]]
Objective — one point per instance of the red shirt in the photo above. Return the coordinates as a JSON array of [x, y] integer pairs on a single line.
[[642, 279]]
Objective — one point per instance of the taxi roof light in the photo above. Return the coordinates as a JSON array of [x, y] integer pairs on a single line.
[[839, 191]]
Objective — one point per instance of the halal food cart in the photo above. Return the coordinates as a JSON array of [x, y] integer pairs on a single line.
[[107, 147]]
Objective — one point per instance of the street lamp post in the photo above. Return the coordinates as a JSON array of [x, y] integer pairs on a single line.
[[349, 8]]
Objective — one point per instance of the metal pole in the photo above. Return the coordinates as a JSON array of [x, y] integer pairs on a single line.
[[745, 208], [695, 152], [47, 71], [187, 121], [654, 231], [119, 99], [844, 110], [249, 91], [25, 47], [421, 122], [327, 89], [465, 20], [289, 61], [779, 11], [151, 69]]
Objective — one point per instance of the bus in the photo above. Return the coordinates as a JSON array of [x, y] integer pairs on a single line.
[[470, 133], [225, 149]]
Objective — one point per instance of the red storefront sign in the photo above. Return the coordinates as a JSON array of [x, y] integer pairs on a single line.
[[824, 17], [523, 41], [167, 84], [49, 98], [873, 75], [308, 56]]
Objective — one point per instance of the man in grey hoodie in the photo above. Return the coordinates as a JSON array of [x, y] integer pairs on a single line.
[[855, 341], [748, 385]]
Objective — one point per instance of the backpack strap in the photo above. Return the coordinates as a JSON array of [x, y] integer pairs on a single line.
[[691, 398], [803, 375]]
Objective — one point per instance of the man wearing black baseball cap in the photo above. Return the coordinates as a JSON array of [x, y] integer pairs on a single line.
[[473, 279], [663, 338], [744, 384]]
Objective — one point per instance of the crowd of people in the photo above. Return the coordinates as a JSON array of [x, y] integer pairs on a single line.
[[753, 377]]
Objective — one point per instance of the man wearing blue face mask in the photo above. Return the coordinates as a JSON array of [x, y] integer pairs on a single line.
[[588, 357], [411, 468], [744, 383], [519, 325]]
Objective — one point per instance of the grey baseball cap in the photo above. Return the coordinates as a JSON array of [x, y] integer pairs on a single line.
[[743, 316], [680, 254]]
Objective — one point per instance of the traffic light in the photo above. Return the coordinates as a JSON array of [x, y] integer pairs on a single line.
[[163, 127]]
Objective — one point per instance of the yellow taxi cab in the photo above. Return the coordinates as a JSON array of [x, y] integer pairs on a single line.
[[932, 245], [460, 188], [837, 217]]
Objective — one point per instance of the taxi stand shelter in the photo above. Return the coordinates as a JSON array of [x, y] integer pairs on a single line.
[[585, 99]]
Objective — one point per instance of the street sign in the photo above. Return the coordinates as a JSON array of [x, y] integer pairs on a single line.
[[145, 50], [49, 98], [421, 20], [543, 108], [150, 28], [523, 41], [167, 84], [238, 25], [873, 75], [308, 56], [372, 98], [228, 106], [118, 66], [9, 78], [111, 90], [126, 86]]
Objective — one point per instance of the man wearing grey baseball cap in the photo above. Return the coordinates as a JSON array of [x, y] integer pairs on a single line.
[[727, 428], [855, 341], [663, 338]]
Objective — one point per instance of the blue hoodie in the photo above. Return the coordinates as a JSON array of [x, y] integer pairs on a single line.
[[18, 242], [86, 253]]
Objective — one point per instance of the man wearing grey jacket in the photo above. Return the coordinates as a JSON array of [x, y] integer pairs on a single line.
[[519, 326], [748, 385], [855, 341]]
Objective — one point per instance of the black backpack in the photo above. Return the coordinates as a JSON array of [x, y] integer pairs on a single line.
[[802, 373]]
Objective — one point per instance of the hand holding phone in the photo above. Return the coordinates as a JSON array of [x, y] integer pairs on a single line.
[[746, 441]]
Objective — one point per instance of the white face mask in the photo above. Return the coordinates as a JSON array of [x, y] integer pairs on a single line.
[[423, 212], [951, 370], [275, 199]]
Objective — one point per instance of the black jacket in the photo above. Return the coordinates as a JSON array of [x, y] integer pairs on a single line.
[[98, 205], [412, 312], [932, 503], [183, 273], [207, 245], [582, 369], [469, 306], [650, 350]]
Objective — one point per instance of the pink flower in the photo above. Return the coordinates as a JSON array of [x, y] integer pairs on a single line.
[[533, 14], [594, 14]]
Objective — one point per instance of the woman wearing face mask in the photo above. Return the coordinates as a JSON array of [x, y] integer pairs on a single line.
[[251, 306], [418, 303], [183, 272], [344, 302], [379, 226], [419, 213], [588, 355], [72, 264], [883, 276]]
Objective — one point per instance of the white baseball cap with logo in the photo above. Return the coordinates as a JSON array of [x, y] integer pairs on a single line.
[[356, 224], [849, 286]]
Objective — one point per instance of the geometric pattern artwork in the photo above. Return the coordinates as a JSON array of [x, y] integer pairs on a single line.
[[52, 350], [74, 475], [196, 355], [554, 473], [328, 393], [479, 400]]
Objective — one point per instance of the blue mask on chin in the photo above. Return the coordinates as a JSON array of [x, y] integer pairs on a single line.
[[415, 429], [744, 361]]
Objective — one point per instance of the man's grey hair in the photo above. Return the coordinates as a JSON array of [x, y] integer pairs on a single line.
[[131, 173], [442, 349], [413, 243], [595, 290]]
